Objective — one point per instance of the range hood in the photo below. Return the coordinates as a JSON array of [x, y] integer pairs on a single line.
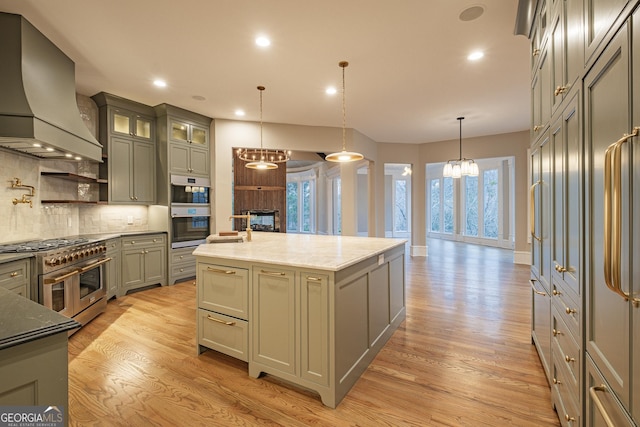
[[38, 110]]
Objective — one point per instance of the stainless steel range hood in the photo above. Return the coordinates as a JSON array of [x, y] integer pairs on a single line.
[[38, 110]]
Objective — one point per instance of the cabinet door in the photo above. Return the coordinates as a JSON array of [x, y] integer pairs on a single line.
[[541, 324], [607, 113], [179, 131], [198, 161], [121, 122], [556, 46], [155, 264], [273, 322], [314, 327], [179, 158], [133, 264], [599, 16], [120, 170], [144, 172], [223, 289], [199, 136]]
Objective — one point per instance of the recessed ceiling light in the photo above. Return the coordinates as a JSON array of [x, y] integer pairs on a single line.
[[50, 149], [263, 41], [78, 158], [240, 113], [160, 83], [331, 90], [68, 155], [474, 56], [37, 145]]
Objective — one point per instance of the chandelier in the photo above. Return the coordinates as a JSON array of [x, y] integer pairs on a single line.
[[262, 158], [344, 155], [461, 166]]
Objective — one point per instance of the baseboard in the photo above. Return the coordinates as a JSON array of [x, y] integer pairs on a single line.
[[522, 257], [418, 251]]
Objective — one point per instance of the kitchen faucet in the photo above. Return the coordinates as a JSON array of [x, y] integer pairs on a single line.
[[248, 218]]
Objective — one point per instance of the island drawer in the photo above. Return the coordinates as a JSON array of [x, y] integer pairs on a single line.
[[222, 333], [223, 289]]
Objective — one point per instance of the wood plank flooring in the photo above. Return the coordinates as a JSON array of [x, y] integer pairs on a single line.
[[463, 357]]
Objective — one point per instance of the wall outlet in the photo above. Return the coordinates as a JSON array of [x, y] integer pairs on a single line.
[[129, 219]]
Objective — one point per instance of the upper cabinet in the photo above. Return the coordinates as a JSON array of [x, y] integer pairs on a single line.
[[183, 137], [127, 133]]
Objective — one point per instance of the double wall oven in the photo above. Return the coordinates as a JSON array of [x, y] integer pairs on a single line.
[[190, 211]]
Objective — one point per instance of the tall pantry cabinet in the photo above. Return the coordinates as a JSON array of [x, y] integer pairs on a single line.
[[585, 207]]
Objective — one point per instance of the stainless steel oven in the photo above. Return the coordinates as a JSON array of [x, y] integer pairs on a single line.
[[189, 225], [71, 280], [190, 211], [189, 190]]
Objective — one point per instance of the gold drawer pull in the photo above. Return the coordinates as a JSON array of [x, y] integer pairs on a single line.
[[273, 273], [314, 279], [596, 400], [217, 270], [560, 269], [569, 418], [557, 332], [556, 381], [14, 274], [533, 286], [568, 359], [569, 310], [557, 292], [224, 322]]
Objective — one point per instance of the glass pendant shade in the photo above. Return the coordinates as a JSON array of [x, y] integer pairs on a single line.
[[344, 156], [460, 167]]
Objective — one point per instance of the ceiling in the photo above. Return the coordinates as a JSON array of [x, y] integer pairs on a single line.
[[407, 80]]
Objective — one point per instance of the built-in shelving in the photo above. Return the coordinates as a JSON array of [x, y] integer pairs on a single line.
[[79, 179]]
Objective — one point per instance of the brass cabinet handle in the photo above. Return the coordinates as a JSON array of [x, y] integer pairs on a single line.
[[535, 52], [217, 270], [569, 310], [569, 418], [314, 279], [273, 273], [14, 274], [556, 332], [568, 359], [556, 292], [224, 322], [560, 90], [560, 269], [613, 215], [536, 128], [593, 392], [556, 381], [532, 211], [533, 286]]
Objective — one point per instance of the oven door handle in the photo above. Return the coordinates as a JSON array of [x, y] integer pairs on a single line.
[[95, 264], [61, 278]]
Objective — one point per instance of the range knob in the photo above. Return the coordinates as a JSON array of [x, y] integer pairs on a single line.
[[67, 258], [59, 260], [51, 261]]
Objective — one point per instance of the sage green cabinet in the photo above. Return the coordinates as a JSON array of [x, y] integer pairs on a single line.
[[274, 318], [15, 276], [183, 138], [131, 171], [144, 261], [112, 268], [182, 264], [127, 133], [222, 324]]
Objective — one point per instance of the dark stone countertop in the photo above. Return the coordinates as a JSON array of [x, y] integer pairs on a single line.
[[22, 320]]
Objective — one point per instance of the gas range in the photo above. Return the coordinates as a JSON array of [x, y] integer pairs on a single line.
[[41, 245]]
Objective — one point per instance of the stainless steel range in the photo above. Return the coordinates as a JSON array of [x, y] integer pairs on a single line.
[[70, 277]]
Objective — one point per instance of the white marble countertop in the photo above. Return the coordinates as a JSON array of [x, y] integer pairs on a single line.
[[332, 253]]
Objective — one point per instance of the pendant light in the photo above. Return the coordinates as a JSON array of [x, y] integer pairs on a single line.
[[262, 159], [461, 166], [344, 155]]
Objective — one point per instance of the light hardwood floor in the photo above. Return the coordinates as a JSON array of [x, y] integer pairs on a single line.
[[463, 357]]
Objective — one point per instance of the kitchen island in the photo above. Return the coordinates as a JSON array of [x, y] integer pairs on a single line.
[[312, 310]]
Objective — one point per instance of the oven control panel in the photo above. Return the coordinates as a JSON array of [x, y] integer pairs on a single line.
[[72, 254]]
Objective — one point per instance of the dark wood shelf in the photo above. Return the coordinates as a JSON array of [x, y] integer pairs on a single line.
[[258, 187], [74, 202], [68, 176]]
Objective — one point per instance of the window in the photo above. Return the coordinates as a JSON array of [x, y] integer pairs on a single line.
[[397, 200], [301, 202], [481, 216]]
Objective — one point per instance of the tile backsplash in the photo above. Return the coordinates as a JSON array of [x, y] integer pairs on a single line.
[[44, 220]]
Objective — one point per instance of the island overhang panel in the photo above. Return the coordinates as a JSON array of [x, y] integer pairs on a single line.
[[312, 310]]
